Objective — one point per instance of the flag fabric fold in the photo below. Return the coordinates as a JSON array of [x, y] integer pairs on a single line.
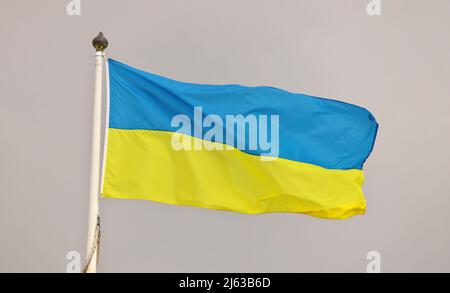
[[232, 147]]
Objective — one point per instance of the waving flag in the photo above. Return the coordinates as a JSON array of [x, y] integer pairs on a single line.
[[235, 148]]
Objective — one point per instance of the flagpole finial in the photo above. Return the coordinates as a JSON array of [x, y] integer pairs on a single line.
[[100, 43]]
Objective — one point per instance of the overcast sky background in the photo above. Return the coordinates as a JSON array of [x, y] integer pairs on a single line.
[[397, 65]]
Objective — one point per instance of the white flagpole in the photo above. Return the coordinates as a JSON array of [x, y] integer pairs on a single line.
[[100, 43]]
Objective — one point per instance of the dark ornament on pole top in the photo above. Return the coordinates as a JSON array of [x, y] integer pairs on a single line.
[[100, 42]]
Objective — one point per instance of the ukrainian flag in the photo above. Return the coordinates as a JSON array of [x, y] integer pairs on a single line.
[[313, 164]]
